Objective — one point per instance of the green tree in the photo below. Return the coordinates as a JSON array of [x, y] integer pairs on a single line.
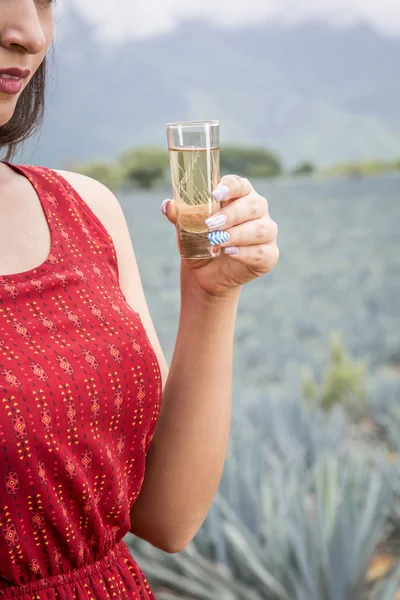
[[250, 162], [143, 167], [304, 168], [107, 173], [363, 168]]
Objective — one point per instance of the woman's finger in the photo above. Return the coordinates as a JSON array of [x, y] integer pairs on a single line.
[[260, 231], [247, 208], [231, 187], [259, 259]]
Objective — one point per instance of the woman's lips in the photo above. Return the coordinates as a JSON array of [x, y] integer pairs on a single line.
[[10, 86], [11, 80]]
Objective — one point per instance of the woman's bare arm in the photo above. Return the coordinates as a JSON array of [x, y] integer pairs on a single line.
[[186, 459]]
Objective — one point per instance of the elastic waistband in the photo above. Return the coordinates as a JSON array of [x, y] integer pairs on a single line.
[[110, 559]]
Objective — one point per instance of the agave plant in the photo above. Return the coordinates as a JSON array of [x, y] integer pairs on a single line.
[[334, 540], [320, 534], [280, 443], [317, 539], [299, 515]]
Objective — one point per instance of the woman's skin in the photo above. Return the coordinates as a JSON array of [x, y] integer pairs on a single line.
[[187, 456]]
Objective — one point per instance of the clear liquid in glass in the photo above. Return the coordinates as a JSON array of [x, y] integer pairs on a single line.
[[195, 174]]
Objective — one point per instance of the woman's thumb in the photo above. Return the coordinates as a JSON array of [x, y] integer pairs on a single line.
[[169, 210]]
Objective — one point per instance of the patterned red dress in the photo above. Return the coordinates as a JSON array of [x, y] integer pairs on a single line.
[[80, 394]]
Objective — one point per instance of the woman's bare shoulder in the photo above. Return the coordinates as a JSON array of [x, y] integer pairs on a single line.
[[98, 197]]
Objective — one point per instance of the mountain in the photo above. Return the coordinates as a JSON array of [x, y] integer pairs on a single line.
[[308, 91]]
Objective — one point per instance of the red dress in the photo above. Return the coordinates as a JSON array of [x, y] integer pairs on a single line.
[[80, 394]]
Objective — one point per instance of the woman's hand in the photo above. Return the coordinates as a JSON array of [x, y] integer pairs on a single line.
[[245, 232]]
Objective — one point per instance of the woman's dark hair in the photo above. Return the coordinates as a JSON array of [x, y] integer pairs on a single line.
[[28, 115]]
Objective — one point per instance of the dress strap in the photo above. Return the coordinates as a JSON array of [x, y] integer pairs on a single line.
[[76, 218]]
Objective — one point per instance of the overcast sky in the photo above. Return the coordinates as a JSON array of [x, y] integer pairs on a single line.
[[118, 18]]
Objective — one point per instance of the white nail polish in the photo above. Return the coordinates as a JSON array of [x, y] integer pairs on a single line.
[[232, 250], [221, 193], [216, 222], [164, 207]]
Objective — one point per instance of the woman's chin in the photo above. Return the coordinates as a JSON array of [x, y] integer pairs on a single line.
[[5, 115]]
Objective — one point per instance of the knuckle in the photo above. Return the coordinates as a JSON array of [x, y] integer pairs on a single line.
[[261, 230], [245, 183], [260, 254], [238, 183], [253, 205], [265, 257]]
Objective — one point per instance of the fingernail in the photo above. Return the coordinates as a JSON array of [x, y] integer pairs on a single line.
[[216, 222], [232, 250], [218, 237], [164, 207], [221, 193]]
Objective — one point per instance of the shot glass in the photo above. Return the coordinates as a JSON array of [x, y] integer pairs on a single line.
[[195, 173]]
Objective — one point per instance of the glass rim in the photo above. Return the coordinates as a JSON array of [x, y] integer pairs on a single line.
[[191, 124]]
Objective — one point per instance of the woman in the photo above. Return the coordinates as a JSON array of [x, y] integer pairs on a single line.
[[82, 372]]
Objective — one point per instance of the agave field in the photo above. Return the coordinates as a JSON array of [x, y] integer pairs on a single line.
[[309, 503], [308, 509]]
